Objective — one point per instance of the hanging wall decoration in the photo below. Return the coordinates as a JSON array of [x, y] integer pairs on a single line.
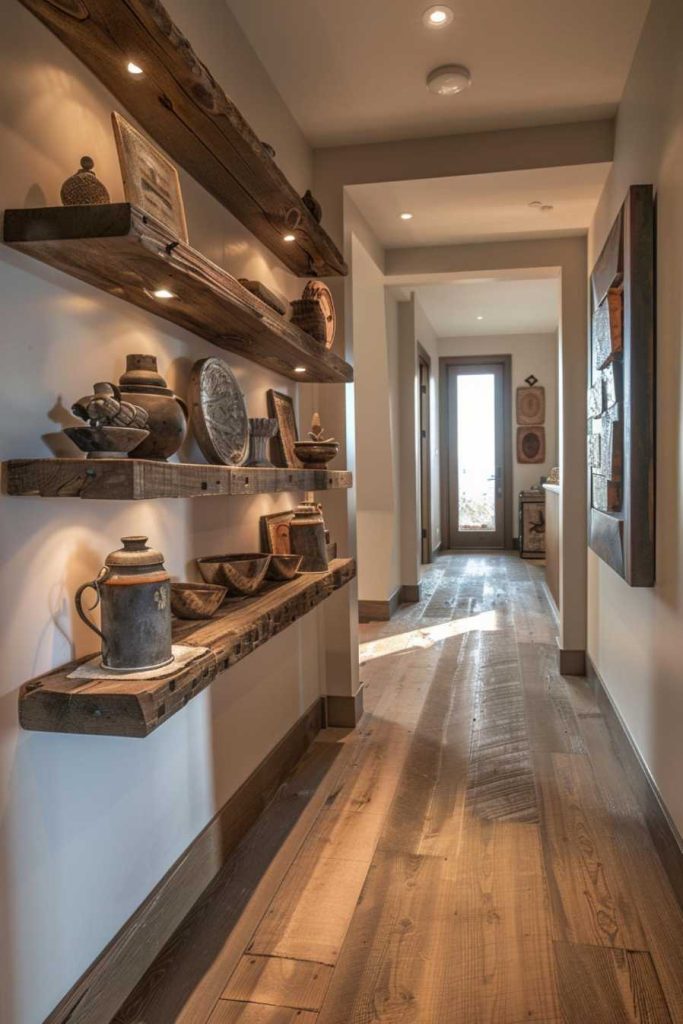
[[150, 180], [218, 412], [530, 444], [621, 395], [531, 403]]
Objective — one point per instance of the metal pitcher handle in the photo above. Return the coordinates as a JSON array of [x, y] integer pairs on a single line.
[[94, 585]]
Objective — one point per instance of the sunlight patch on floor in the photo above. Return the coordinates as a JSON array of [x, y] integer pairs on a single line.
[[428, 636]]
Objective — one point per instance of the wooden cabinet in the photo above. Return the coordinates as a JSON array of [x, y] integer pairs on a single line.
[[552, 540]]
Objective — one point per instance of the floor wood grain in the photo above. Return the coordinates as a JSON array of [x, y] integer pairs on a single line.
[[473, 853]]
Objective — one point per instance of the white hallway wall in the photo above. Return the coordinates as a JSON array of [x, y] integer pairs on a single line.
[[89, 825], [634, 635], [531, 353]]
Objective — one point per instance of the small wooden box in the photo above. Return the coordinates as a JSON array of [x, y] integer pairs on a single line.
[[532, 524]]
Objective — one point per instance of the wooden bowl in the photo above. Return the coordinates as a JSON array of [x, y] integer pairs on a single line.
[[242, 574], [316, 454], [284, 567], [107, 442], [196, 600]]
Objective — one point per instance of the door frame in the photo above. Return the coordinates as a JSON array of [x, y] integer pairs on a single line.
[[506, 362], [425, 463]]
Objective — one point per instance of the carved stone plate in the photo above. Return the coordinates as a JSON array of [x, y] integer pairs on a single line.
[[318, 290], [218, 412]]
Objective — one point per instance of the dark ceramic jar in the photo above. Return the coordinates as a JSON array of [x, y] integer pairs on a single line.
[[167, 423]]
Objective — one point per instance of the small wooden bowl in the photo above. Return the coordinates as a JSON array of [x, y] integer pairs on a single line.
[[284, 567], [316, 454], [196, 600], [242, 574], [107, 442]]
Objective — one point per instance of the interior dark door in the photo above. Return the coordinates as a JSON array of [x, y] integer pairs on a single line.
[[476, 437], [425, 464]]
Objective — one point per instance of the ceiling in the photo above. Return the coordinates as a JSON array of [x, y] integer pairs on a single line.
[[507, 305], [354, 70], [482, 206]]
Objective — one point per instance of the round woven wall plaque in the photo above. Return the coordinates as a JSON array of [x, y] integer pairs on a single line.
[[530, 405], [219, 413]]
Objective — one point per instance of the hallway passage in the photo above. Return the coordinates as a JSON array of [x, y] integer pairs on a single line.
[[472, 854]]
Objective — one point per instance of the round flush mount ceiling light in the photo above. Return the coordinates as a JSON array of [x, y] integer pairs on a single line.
[[133, 69], [449, 79], [437, 17], [406, 216]]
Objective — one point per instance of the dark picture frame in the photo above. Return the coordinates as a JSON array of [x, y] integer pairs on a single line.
[[275, 532], [281, 408], [621, 389]]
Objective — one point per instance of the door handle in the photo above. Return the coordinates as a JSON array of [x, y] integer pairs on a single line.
[[499, 481]]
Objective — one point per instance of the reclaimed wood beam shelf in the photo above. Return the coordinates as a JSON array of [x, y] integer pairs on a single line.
[[179, 103], [128, 254], [141, 479], [116, 707]]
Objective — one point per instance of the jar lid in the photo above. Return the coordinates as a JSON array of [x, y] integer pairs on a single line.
[[134, 553]]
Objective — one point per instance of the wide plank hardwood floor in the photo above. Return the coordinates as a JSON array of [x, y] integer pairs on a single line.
[[471, 854]]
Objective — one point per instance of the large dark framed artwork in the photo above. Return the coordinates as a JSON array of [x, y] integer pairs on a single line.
[[621, 453]]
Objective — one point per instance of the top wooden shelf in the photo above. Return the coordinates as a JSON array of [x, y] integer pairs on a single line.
[[179, 103], [125, 252]]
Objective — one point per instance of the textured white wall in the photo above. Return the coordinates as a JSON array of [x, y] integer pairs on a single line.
[[531, 353], [89, 825], [634, 635]]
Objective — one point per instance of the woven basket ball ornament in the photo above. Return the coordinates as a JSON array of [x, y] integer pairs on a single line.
[[84, 188]]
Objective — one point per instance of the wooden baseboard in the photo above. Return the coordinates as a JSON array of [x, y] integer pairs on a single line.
[[572, 663], [410, 593], [378, 611], [99, 993], [344, 712], [665, 836]]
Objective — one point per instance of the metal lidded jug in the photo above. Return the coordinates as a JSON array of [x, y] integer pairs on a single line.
[[307, 537], [134, 591]]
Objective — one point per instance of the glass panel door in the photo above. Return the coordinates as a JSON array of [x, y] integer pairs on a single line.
[[475, 402]]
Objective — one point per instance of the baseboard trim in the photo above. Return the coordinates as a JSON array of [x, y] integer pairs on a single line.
[[410, 593], [379, 611], [344, 712], [663, 832], [110, 979], [572, 663]]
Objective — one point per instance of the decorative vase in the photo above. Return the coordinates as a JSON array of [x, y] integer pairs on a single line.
[[307, 537], [84, 188], [309, 316], [167, 422], [261, 429]]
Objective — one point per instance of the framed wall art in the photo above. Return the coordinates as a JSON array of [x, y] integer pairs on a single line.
[[150, 180], [275, 532], [530, 445], [281, 408], [621, 394], [530, 404]]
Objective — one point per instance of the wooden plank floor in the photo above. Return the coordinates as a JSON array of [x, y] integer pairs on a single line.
[[471, 854]]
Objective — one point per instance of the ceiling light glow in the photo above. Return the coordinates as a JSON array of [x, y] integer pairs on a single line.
[[449, 79], [438, 16], [406, 216], [163, 293], [289, 238], [299, 369], [480, 318], [133, 69]]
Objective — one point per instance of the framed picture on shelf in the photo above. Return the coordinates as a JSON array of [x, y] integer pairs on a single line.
[[275, 532], [281, 408], [150, 180]]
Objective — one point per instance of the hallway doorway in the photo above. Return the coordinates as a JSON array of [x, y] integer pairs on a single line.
[[476, 445], [424, 365]]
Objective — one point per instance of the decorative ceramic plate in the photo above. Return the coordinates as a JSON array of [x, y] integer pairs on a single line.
[[318, 290], [219, 414]]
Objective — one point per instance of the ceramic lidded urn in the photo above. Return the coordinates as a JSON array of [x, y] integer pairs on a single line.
[[134, 591], [84, 188], [143, 385]]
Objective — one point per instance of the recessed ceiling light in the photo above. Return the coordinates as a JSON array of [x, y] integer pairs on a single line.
[[299, 369], [289, 238], [133, 69], [480, 318], [163, 293], [406, 216], [438, 16], [449, 79]]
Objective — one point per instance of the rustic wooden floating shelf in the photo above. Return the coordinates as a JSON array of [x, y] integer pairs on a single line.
[[140, 479], [177, 100], [114, 707], [129, 254]]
